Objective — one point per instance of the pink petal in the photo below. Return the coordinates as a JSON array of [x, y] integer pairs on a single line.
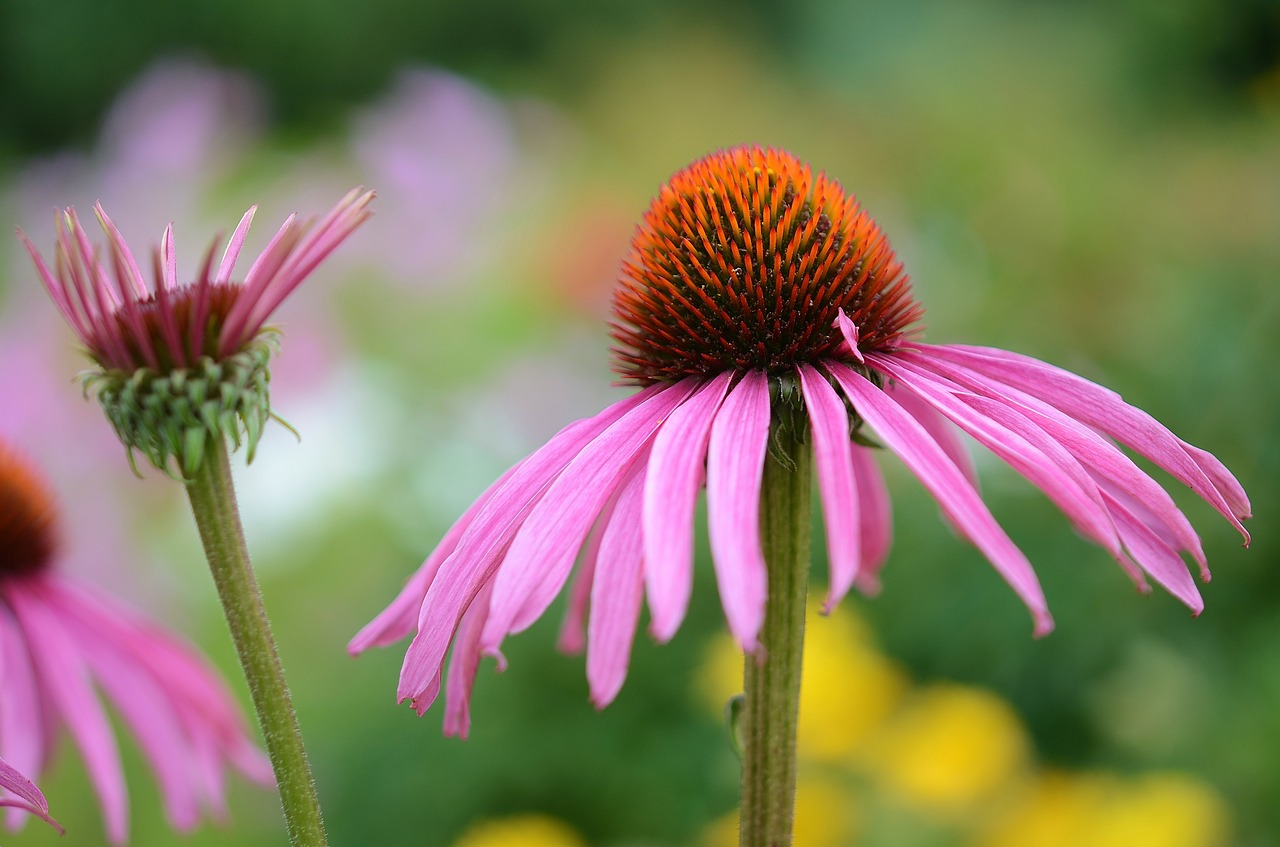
[[677, 465], [833, 454], [1026, 448], [1087, 446], [875, 518], [616, 593], [1105, 410], [401, 616], [1156, 557], [65, 680], [937, 427], [22, 727], [931, 465], [544, 550], [463, 663], [229, 256], [483, 545], [26, 796], [735, 470]]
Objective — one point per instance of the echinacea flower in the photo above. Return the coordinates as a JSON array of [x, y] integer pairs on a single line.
[[62, 642], [759, 292], [180, 364], [18, 792]]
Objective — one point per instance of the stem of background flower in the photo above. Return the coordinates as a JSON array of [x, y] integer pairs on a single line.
[[771, 677], [213, 502]]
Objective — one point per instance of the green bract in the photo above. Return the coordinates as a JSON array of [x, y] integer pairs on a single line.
[[170, 417]]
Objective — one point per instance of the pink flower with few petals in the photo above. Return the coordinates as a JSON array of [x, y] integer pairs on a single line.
[[63, 643], [25, 795], [760, 295]]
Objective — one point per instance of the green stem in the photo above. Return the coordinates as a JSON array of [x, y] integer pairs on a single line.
[[213, 502], [771, 677]]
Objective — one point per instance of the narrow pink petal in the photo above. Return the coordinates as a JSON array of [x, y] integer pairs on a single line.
[[676, 470], [1026, 448], [26, 796], [938, 428], [1105, 410], [144, 705], [65, 680], [1156, 557], [137, 284], [931, 465], [1093, 450], [463, 663], [850, 331], [229, 256], [875, 518], [833, 455], [401, 616], [735, 470], [236, 327], [482, 546], [57, 290], [573, 629], [544, 550], [23, 736], [616, 593]]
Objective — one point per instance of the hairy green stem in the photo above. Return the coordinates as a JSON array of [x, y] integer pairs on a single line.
[[771, 677], [213, 502]]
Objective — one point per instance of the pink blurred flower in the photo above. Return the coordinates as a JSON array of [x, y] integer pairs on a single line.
[[760, 295], [446, 156], [59, 640], [26, 796]]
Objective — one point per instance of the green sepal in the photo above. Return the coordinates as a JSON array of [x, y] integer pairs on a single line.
[[169, 418]]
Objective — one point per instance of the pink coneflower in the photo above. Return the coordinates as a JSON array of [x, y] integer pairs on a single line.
[[759, 294], [182, 363], [18, 792], [63, 642]]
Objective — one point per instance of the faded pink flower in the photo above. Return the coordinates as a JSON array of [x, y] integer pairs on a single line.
[[760, 295], [25, 795], [62, 642]]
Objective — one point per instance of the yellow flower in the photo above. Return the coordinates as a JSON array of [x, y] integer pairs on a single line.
[[521, 831], [1155, 810], [847, 688], [950, 749], [826, 816]]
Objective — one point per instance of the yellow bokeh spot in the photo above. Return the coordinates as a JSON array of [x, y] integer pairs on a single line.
[[1155, 810], [521, 831], [826, 816], [950, 749], [847, 687]]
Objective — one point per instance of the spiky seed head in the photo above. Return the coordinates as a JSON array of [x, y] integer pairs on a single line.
[[743, 261]]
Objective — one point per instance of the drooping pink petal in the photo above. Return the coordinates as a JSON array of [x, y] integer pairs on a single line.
[[64, 678], [485, 541], [1095, 452], [875, 518], [26, 796], [1155, 556], [544, 550], [1027, 449], [937, 427], [735, 471], [833, 455], [60, 296], [676, 471], [23, 737], [1106, 411], [616, 592], [931, 465], [399, 618], [463, 663], [573, 629]]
